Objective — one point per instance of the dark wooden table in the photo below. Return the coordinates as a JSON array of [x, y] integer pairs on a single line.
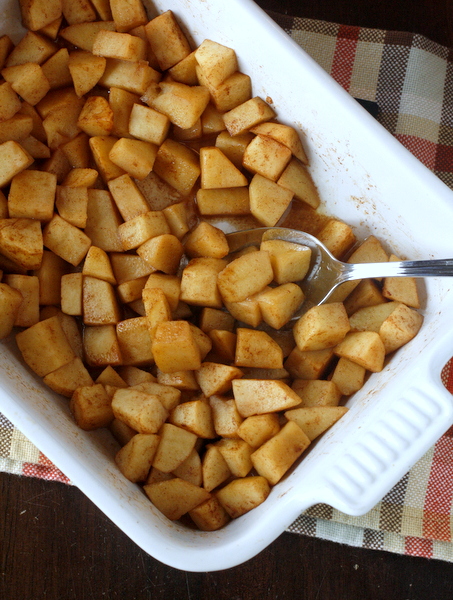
[[56, 545]]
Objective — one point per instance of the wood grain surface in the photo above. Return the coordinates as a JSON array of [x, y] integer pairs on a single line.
[[56, 545]]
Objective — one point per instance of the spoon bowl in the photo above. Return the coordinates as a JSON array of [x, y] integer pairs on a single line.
[[326, 272]]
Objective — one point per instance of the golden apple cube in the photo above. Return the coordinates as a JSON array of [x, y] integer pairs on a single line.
[[214, 378], [223, 343], [273, 459], [135, 376], [16, 129], [279, 304], [162, 252], [236, 453], [168, 396], [122, 102], [213, 318], [81, 177], [321, 327], [370, 318], [366, 348], [44, 186], [100, 306], [217, 171], [234, 146], [66, 379], [44, 346], [174, 447], [338, 237], [13, 160], [317, 392], [209, 515], [177, 219], [208, 241], [257, 429], [135, 458], [135, 341], [28, 286], [182, 104], [100, 146], [234, 91], [290, 261], [194, 416], [148, 125], [317, 419], [132, 76], [21, 241], [247, 311], [28, 81], [9, 102], [184, 71], [190, 469], [348, 376], [242, 495], [103, 220], [266, 156], [177, 165], [91, 407], [114, 44], [167, 40], [226, 417], [256, 396], [141, 411], [223, 201], [136, 157], [72, 204], [82, 35], [96, 117], [286, 135], [401, 326], [175, 348], [56, 69], [65, 240], [212, 120], [214, 468], [298, 180], [157, 308], [268, 200], [100, 346], [169, 284], [10, 301], [401, 289], [217, 62], [128, 15], [71, 293], [137, 230], [245, 276], [128, 198], [256, 348], [199, 282], [97, 264], [175, 497], [248, 114], [128, 266], [85, 70], [36, 14], [366, 293]]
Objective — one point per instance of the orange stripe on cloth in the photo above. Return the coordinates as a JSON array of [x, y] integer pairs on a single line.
[[343, 59]]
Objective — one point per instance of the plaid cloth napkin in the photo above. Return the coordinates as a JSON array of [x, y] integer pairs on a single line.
[[411, 80]]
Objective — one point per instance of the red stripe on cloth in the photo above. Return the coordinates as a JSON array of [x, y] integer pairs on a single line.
[[439, 492], [444, 158], [344, 55], [424, 150], [44, 469], [418, 547]]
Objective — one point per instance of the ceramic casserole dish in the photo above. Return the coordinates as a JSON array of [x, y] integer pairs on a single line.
[[366, 178]]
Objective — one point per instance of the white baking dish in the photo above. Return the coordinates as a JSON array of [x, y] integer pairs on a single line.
[[366, 178]]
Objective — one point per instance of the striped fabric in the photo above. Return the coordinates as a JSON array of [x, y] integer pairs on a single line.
[[411, 79]]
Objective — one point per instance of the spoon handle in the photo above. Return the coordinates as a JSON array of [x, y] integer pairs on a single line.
[[405, 268]]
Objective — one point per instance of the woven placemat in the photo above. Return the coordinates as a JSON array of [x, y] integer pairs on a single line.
[[411, 80]]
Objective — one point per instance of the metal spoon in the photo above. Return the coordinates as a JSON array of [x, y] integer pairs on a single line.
[[326, 273]]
